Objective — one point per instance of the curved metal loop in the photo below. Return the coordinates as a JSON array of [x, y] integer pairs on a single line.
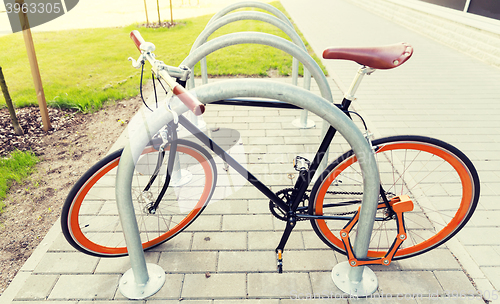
[[264, 39], [145, 124], [214, 25], [247, 4]]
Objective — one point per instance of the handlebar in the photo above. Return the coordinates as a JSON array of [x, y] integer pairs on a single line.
[[187, 98], [137, 38]]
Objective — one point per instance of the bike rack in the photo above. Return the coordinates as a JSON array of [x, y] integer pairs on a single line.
[[279, 20], [264, 39], [144, 280], [273, 41]]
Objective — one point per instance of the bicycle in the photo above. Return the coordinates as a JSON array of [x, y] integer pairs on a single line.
[[428, 191]]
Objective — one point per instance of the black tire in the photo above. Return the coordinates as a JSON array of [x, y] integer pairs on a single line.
[[440, 180], [89, 216]]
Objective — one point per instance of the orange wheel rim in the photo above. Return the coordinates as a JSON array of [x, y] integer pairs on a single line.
[[461, 213], [84, 242]]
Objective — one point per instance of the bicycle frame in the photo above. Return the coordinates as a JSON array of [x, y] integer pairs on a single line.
[[290, 207], [305, 176]]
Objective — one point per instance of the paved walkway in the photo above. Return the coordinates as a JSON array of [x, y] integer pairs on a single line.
[[439, 92], [240, 256]]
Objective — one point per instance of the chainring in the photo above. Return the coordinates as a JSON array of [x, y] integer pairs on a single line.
[[285, 195]]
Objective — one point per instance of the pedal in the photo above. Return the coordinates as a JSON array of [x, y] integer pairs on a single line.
[[279, 258], [301, 163]]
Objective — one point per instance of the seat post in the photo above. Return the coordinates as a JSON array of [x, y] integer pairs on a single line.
[[364, 70]]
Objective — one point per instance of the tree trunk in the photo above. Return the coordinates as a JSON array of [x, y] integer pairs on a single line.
[[17, 129], [158, 8], [171, 15], [146, 10]]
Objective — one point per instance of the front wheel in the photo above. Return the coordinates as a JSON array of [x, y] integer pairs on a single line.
[[90, 220], [439, 179]]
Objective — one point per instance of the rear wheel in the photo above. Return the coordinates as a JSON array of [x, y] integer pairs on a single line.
[[439, 179], [90, 220]]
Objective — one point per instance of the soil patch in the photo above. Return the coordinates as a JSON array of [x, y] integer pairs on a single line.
[[75, 143]]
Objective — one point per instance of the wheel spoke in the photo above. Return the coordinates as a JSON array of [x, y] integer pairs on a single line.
[[441, 182]]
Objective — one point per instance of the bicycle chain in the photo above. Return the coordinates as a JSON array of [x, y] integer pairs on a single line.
[[343, 193], [272, 206]]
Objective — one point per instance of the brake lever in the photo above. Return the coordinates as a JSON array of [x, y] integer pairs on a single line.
[[137, 63]]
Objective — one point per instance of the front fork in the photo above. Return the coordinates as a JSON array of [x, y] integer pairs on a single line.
[[171, 140]]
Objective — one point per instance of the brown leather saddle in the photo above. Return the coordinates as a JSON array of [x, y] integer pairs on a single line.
[[378, 57]]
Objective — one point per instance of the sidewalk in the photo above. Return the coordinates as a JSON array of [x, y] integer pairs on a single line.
[[439, 92], [240, 258]]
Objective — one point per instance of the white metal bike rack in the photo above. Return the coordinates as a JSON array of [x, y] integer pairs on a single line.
[[279, 20], [143, 280]]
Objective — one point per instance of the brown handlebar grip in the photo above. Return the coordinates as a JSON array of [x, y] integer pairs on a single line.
[[137, 38], [189, 100]]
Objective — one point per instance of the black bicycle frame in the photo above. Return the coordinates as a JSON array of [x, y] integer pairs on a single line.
[[305, 176]]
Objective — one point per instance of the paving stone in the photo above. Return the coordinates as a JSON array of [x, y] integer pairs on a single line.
[[383, 298], [268, 125], [279, 179], [248, 301], [171, 289], [227, 206], [121, 264], [206, 222], [274, 158], [455, 282], [48, 302], [278, 284], [61, 244], [486, 290], [285, 168], [181, 242], [268, 240], [252, 133], [37, 287], [493, 274], [445, 300], [220, 241], [199, 261], [484, 255], [322, 284], [302, 140], [237, 112], [312, 241], [258, 206], [436, 259], [248, 222], [309, 260], [247, 192], [64, 262], [218, 285], [247, 261], [484, 218], [409, 282], [85, 287], [179, 302], [110, 302], [266, 140]]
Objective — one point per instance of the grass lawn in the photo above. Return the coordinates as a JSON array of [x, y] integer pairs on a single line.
[[82, 69], [15, 168]]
